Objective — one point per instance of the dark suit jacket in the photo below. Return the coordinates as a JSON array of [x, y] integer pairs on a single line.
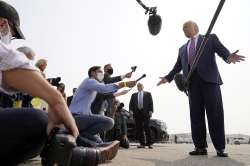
[[147, 104], [100, 98], [207, 67], [109, 80]]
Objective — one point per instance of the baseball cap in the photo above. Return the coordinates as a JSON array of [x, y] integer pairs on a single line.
[[8, 12]]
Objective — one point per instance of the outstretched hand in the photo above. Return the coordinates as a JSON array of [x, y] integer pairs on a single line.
[[162, 81], [130, 84], [234, 57]]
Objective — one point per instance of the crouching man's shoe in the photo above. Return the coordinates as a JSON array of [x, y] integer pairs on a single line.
[[221, 153], [85, 156], [198, 152], [108, 152]]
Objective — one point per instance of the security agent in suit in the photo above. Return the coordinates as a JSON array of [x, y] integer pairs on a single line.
[[141, 105], [204, 90]]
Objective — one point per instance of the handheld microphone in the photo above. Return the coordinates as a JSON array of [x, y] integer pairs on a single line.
[[143, 76], [133, 68]]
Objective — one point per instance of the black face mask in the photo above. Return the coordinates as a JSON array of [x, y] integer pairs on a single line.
[[110, 71]]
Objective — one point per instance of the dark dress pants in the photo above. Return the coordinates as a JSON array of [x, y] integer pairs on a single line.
[[23, 134], [206, 97], [142, 125]]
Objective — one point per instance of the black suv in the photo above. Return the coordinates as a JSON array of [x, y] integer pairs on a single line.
[[158, 129]]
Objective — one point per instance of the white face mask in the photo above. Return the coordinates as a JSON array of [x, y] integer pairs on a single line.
[[6, 38], [100, 77]]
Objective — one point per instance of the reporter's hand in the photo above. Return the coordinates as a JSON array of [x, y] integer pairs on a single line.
[[162, 81], [59, 114], [130, 84], [128, 75]]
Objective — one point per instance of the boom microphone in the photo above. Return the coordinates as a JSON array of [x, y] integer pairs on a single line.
[[154, 23], [154, 20]]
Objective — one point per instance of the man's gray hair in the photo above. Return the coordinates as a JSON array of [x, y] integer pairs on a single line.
[[27, 51]]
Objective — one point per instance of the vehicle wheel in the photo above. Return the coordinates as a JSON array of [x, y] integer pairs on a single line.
[[153, 135], [237, 142]]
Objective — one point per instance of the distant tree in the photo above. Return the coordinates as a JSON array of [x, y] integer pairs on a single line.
[[175, 139]]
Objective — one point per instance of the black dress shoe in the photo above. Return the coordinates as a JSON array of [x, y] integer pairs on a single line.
[[150, 146], [222, 154], [198, 152]]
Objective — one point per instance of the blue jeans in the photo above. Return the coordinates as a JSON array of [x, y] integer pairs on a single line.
[[90, 126]]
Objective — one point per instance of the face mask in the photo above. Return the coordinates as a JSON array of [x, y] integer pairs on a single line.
[[100, 77], [6, 38], [110, 71]]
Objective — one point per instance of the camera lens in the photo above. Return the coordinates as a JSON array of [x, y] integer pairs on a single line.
[[83, 156]]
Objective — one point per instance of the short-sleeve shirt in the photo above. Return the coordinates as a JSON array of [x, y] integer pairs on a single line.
[[12, 59]]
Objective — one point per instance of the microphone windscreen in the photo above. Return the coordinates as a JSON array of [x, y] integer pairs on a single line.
[[154, 24]]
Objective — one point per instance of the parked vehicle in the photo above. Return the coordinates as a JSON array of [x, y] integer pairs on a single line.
[[158, 130], [240, 140]]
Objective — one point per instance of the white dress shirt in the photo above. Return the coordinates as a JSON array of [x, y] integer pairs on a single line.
[[140, 100]]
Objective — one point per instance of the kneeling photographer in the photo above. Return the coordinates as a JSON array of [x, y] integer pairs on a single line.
[[23, 132], [120, 127]]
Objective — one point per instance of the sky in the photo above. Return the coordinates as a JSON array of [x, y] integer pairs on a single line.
[[77, 34]]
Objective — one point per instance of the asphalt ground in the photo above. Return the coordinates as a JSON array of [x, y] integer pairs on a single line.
[[173, 155]]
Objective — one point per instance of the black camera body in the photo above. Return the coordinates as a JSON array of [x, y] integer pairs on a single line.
[[58, 149], [181, 82], [61, 150], [54, 81]]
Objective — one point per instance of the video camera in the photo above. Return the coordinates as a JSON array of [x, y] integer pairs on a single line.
[[54, 81], [61, 149]]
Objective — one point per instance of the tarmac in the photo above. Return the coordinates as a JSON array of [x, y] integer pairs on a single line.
[[174, 155]]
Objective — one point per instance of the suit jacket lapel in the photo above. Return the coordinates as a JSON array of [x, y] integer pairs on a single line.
[[186, 54], [200, 38]]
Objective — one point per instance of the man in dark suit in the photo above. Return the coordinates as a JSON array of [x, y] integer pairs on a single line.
[[141, 105], [204, 90]]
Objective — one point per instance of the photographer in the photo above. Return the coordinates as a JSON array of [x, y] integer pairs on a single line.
[[41, 64], [89, 124], [28, 52], [120, 127], [61, 89], [23, 132]]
